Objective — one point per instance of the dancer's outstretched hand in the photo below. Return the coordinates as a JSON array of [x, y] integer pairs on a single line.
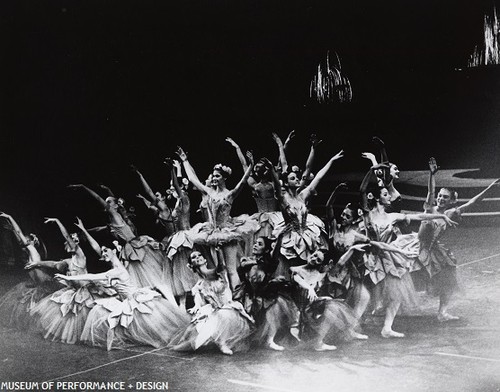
[[339, 155], [378, 141], [47, 220], [433, 167], [181, 153], [232, 142]]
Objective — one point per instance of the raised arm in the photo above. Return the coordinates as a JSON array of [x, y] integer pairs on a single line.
[[175, 180], [239, 153], [275, 178], [330, 212], [17, 230], [237, 189], [383, 152], [93, 243], [431, 185], [306, 192], [107, 189], [310, 159], [281, 151], [370, 157], [193, 178], [34, 255], [94, 195], [63, 230], [480, 196], [144, 183]]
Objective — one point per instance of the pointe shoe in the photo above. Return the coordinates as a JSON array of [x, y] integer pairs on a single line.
[[325, 347], [225, 350], [294, 331], [359, 336], [389, 333], [442, 317], [273, 346]]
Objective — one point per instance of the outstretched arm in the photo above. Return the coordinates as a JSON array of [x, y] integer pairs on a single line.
[[317, 178], [480, 196], [190, 172], [420, 217], [93, 243], [144, 183], [93, 277], [94, 195]]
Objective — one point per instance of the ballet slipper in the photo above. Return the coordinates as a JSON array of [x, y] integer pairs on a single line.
[[273, 346], [389, 333], [324, 347], [294, 331], [359, 336], [443, 317], [225, 349]]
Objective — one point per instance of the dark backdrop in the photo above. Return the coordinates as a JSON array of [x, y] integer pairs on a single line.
[[88, 87]]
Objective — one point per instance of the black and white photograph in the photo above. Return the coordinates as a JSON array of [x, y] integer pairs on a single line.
[[247, 196]]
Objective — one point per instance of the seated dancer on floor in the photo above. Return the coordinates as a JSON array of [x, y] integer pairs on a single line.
[[265, 298], [217, 319], [16, 304], [322, 317], [136, 316], [62, 315], [142, 255]]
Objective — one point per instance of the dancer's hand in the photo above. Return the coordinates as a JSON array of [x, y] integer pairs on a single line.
[[370, 156], [339, 155], [79, 224], [232, 142], [61, 277], [74, 186], [290, 136], [315, 141], [176, 164], [277, 139], [311, 295], [341, 186], [181, 153], [249, 155], [433, 167], [48, 220], [449, 222], [30, 265], [378, 141]]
